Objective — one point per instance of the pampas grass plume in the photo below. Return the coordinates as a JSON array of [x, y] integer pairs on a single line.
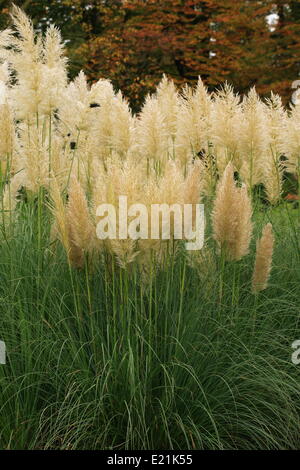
[[263, 259], [231, 217]]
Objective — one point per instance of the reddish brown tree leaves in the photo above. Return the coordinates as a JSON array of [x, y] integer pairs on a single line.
[[134, 42]]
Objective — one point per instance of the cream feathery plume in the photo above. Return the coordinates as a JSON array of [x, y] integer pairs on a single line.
[[263, 259], [75, 112], [168, 100], [254, 142], [125, 251], [53, 48], [193, 123], [243, 214], [273, 169], [151, 132], [124, 179], [122, 126], [224, 223], [193, 183], [275, 120], [226, 127], [105, 124], [41, 151], [38, 65], [231, 217], [272, 179], [98, 184], [8, 137], [53, 72], [24, 26], [73, 225], [58, 209], [81, 229], [172, 184], [114, 127], [291, 138], [33, 155]]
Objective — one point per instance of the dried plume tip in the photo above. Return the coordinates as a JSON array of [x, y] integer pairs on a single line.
[[232, 226], [263, 259]]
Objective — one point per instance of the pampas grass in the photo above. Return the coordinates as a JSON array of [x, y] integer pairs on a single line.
[[263, 260], [139, 344], [53, 126], [231, 216]]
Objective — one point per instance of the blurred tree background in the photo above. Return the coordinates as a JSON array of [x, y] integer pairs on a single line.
[[133, 42]]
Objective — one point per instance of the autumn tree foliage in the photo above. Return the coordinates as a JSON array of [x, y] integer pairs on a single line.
[[135, 42], [264, 53]]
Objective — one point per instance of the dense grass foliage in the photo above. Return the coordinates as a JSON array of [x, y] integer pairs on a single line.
[[192, 359]]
